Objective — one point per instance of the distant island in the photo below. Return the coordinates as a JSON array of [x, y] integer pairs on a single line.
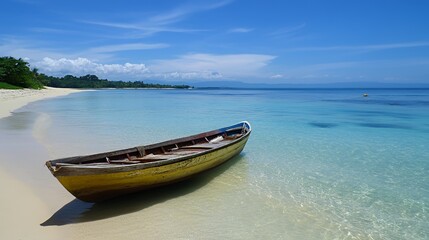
[[16, 74]]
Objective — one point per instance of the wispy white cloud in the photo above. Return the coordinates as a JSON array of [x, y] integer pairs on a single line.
[[373, 47], [288, 31], [127, 47], [183, 11], [163, 22], [241, 30], [186, 76], [19, 48], [277, 76], [36, 50], [228, 65], [146, 29]]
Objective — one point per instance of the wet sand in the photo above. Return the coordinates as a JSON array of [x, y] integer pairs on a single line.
[[22, 209]]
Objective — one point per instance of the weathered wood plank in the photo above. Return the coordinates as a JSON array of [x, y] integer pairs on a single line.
[[181, 152], [124, 161]]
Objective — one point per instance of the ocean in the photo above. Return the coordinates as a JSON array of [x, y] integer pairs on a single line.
[[319, 164]]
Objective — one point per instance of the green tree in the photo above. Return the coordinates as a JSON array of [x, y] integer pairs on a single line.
[[17, 72]]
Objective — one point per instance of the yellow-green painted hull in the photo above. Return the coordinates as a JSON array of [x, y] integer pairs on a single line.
[[95, 186]]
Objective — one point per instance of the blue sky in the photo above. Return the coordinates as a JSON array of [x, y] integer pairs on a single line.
[[217, 40]]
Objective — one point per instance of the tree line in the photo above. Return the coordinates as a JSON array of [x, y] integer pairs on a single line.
[[92, 81], [17, 73]]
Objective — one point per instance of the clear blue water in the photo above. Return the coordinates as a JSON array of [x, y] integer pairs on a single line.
[[320, 164]]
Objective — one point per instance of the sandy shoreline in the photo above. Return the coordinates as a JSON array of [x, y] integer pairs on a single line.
[[23, 208], [11, 100]]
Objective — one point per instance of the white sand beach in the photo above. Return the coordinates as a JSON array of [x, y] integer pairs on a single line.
[[22, 210], [13, 99]]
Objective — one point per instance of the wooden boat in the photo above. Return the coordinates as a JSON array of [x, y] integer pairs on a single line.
[[101, 176]]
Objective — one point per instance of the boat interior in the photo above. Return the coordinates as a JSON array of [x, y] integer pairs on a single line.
[[181, 147]]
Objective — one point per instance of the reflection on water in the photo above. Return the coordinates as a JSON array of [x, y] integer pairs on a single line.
[[78, 211]]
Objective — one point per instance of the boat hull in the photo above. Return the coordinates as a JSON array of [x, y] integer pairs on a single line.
[[98, 185]]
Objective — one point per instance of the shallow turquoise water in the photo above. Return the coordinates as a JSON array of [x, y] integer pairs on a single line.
[[320, 164]]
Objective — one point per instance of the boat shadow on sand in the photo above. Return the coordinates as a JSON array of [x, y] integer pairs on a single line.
[[78, 211]]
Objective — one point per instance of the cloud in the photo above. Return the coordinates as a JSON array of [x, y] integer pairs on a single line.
[[20, 48], [229, 65], [241, 30], [288, 31], [183, 11], [190, 66], [83, 66], [144, 28], [36, 51], [163, 22], [276, 76], [128, 47], [204, 75]]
